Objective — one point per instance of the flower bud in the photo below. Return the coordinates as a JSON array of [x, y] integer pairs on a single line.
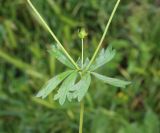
[[82, 33]]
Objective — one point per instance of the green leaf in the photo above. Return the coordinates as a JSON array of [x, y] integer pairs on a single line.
[[70, 96], [79, 62], [80, 89], [86, 63], [59, 55], [64, 89], [103, 58], [52, 84], [112, 81]]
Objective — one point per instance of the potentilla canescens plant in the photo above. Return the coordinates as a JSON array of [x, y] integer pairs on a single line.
[[69, 87]]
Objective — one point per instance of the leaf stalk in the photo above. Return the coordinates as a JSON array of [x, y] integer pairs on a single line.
[[52, 34], [104, 34]]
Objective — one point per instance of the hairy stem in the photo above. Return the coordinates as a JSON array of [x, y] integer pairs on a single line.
[[104, 34], [53, 35], [81, 118]]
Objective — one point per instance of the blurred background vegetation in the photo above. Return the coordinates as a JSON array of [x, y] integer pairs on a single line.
[[25, 65]]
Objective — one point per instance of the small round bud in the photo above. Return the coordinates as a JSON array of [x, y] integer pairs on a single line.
[[82, 33]]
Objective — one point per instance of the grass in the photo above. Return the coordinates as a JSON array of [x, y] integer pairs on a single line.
[[23, 52]]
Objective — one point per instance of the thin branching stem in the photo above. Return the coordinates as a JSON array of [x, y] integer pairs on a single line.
[[81, 117], [104, 34], [53, 35]]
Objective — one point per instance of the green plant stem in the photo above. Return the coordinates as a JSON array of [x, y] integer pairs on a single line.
[[82, 52], [104, 34], [81, 117], [53, 35], [82, 104]]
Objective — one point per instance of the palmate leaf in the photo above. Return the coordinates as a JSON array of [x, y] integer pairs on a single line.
[[80, 89], [79, 62], [52, 84], [112, 81], [59, 55], [103, 57], [86, 63], [64, 89]]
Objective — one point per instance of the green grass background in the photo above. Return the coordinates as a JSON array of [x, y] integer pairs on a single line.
[[25, 65]]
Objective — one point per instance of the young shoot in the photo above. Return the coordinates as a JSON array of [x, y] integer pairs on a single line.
[[69, 88]]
